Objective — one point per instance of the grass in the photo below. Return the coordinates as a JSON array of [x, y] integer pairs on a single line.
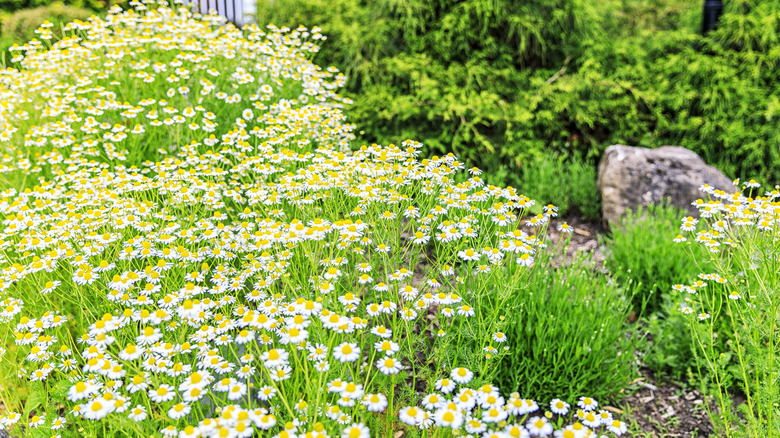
[[641, 250], [571, 335], [569, 184]]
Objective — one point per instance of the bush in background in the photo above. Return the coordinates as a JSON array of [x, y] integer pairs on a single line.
[[454, 73], [19, 27], [717, 95], [16, 5], [505, 83], [568, 338]]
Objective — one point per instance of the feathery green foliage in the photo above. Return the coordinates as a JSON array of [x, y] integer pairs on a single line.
[[569, 335]]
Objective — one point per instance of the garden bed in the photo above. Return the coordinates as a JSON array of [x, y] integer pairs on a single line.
[[193, 246]]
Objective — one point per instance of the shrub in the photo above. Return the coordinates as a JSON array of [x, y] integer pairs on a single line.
[[569, 335], [450, 72], [733, 309], [19, 27], [573, 77], [235, 269], [641, 250], [94, 5]]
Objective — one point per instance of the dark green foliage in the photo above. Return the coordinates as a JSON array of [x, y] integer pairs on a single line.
[[19, 27], [718, 95], [641, 250], [504, 83], [16, 5], [568, 184], [568, 339], [453, 74]]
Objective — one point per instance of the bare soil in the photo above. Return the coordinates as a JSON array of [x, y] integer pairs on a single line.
[[664, 409]]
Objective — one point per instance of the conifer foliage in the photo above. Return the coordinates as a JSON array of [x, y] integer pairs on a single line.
[[503, 82]]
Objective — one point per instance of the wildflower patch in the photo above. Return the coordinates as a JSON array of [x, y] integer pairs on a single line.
[[190, 248]]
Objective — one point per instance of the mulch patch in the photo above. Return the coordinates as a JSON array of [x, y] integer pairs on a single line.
[[664, 409]]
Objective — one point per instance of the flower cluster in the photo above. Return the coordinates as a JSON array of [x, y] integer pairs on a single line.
[[731, 223], [203, 255], [733, 311]]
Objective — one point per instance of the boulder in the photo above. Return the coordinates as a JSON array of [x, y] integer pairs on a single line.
[[633, 176]]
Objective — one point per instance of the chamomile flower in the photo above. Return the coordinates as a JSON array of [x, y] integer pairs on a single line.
[[387, 347], [448, 418], [461, 375], [587, 404], [381, 331], [346, 352], [539, 426], [411, 415], [559, 407], [36, 421], [162, 393], [494, 415], [137, 413], [97, 408], [445, 385], [266, 393], [355, 430], [525, 260], [617, 427], [389, 366], [433, 401], [466, 310], [179, 410], [375, 402]]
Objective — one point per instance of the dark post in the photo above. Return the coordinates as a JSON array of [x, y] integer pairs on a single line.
[[712, 11]]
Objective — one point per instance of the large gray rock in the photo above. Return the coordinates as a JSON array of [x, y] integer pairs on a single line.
[[632, 176]]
